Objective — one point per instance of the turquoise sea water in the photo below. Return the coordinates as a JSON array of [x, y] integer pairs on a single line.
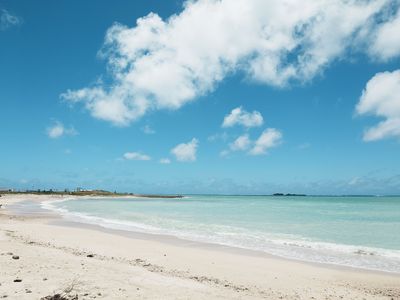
[[361, 232]]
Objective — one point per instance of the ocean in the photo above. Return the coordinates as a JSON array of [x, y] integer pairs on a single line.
[[361, 232]]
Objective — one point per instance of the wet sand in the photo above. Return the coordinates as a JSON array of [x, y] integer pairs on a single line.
[[41, 254]]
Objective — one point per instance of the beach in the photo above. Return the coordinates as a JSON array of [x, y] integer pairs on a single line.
[[42, 254]]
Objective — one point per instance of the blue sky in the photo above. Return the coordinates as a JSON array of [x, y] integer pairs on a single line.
[[201, 97]]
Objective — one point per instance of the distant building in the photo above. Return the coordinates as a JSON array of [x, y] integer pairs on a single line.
[[79, 189]]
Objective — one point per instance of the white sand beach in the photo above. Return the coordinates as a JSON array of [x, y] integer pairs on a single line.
[[41, 254]]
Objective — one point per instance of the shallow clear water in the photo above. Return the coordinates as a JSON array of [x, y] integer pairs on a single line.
[[353, 231]]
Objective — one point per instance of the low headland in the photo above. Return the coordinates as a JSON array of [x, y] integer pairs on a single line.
[[93, 193]]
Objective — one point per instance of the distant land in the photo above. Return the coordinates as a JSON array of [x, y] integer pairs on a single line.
[[82, 192], [86, 193], [282, 194], [98, 192]]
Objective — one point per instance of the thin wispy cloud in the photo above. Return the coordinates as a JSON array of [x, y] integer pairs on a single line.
[[164, 64], [136, 156], [304, 146], [218, 137], [148, 130], [224, 153], [8, 20], [58, 130], [165, 161]]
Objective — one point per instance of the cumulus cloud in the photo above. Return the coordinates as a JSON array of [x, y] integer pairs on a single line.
[[165, 161], [136, 156], [381, 98], [241, 143], [386, 39], [186, 152], [270, 138], [239, 116], [164, 64], [58, 130], [8, 20]]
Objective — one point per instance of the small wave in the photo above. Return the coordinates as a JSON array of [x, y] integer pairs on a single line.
[[286, 246], [49, 204]]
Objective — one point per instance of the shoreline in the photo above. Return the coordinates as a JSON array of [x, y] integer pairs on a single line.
[[57, 219], [233, 272], [109, 226], [181, 242]]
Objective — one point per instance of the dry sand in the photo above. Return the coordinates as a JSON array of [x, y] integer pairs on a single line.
[[54, 255]]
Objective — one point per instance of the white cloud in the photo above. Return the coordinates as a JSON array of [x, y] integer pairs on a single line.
[[164, 64], [136, 156], [388, 128], [270, 138], [148, 130], [165, 161], [381, 97], [55, 131], [386, 39], [186, 152], [58, 130], [241, 143], [116, 106], [8, 20], [239, 116]]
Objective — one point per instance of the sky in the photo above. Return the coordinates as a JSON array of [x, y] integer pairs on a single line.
[[206, 96]]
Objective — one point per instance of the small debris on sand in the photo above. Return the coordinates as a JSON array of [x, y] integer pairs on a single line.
[[60, 297]]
